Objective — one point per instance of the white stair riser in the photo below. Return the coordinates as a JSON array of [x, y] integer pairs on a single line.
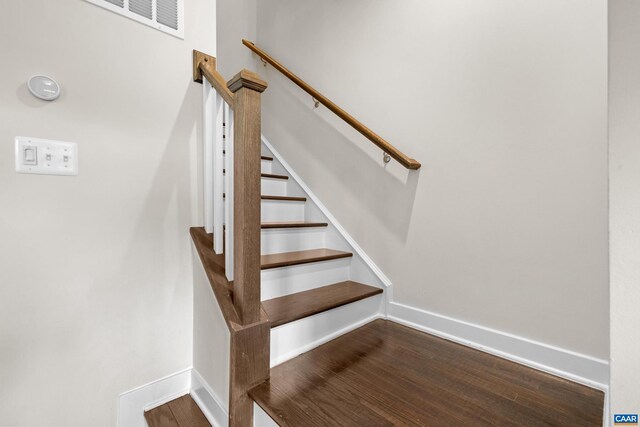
[[265, 166], [277, 210], [277, 282], [274, 187], [290, 240], [274, 211], [292, 339]]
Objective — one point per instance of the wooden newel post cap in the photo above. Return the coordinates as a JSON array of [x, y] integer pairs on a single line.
[[248, 79]]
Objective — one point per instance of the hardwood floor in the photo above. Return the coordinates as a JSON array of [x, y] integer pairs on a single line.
[[386, 374], [181, 412]]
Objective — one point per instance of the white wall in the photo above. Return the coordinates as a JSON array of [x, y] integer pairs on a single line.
[[95, 270], [236, 20], [624, 164], [504, 103], [211, 336]]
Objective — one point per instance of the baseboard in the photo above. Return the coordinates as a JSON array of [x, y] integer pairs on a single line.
[[208, 401], [132, 404], [564, 363]]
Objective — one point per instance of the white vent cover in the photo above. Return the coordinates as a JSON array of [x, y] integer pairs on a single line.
[[164, 15]]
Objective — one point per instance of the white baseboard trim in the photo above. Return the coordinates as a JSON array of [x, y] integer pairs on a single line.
[[133, 403], [564, 363], [208, 401]]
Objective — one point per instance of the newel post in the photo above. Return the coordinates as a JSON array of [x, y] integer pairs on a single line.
[[247, 87]]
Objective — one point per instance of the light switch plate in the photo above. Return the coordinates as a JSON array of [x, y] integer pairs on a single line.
[[46, 157]]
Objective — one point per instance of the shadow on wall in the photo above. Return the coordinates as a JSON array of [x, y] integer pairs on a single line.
[[24, 96], [388, 195], [166, 213]]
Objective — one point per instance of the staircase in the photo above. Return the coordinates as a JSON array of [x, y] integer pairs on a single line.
[[286, 276], [289, 280], [309, 288]]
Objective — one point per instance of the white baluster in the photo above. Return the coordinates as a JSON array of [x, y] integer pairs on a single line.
[[208, 106], [218, 176], [228, 249]]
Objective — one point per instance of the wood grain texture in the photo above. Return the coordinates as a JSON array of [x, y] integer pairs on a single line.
[[198, 58], [402, 158], [279, 198], [286, 259], [249, 346], [284, 198], [273, 176], [385, 374], [247, 88], [187, 413], [214, 268], [249, 366], [297, 306], [261, 157], [292, 224], [161, 417], [181, 412], [204, 66]]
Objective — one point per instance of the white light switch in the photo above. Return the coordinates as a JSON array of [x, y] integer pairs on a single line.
[[30, 155], [46, 157]]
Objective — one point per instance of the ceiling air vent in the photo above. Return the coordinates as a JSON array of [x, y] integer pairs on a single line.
[[163, 15]]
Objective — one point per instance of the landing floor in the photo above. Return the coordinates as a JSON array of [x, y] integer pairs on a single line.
[[385, 374], [181, 412]]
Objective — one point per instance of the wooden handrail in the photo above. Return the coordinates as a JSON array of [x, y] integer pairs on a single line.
[[402, 158], [205, 66]]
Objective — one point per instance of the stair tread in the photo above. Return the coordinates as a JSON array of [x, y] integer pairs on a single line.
[[284, 198], [297, 306], [280, 198], [181, 412], [265, 175], [273, 176], [269, 158], [286, 259], [292, 224]]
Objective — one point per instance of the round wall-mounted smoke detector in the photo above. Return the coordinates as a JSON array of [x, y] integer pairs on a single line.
[[44, 87]]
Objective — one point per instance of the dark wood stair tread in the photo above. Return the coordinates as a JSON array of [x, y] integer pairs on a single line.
[[278, 198], [273, 176], [297, 306], [265, 175], [286, 259], [284, 198], [261, 157], [292, 224], [181, 412]]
